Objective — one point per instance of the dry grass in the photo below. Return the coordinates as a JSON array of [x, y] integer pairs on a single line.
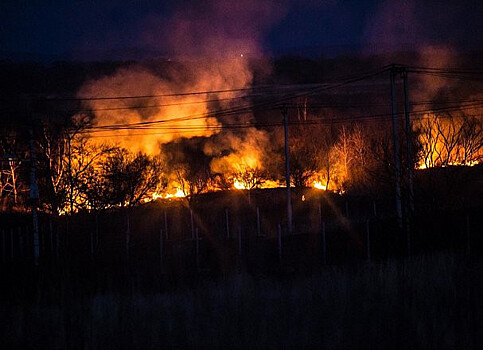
[[428, 302]]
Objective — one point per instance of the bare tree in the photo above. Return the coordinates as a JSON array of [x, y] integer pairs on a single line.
[[326, 157], [131, 178], [13, 185], [306, 144], [449, 140], [344, 155], [194, 180], [85, 159], [250, 177], [52, 173], [471, 140], [66, 156]]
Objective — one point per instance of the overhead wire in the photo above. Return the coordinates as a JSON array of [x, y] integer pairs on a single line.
[[278, 102], [291, 92], [182, 94], [416, 114]]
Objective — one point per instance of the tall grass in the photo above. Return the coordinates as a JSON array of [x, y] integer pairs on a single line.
[[427, 302]]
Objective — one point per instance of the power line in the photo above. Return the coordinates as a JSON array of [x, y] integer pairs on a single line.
[[181, 94], [452, 70], [267, 105], [244, 109], [417, 114], [260, 88], [465, 105]]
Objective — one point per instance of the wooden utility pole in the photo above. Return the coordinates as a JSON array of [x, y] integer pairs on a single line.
[[71, 179], [34, 196], [410, 165], [397, 168], [287, 171]]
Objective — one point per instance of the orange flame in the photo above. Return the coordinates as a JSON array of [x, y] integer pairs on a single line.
[[169, 195], [318, 185]]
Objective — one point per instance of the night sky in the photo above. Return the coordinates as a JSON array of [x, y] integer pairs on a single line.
[[76, 28]]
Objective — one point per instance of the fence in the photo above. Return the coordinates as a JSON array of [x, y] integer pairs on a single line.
[[223, 237]]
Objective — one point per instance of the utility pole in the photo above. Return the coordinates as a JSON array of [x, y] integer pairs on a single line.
[[410, 165], [34, 196], [71, 180], [287, 171], [397, 168]]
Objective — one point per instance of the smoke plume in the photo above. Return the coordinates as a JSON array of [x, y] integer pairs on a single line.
[[212, 42]]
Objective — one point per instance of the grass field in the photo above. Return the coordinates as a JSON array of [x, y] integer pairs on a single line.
[[427, 302]]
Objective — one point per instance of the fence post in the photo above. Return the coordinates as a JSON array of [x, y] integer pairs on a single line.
[[227, 222], [408, 235], [51, 237], [20, 242], [42, 239], [258, 222], [239, 241], [97, 233], [324, 244], [347, 209], [240, 251], [65, 236], [197, 250], [161, 248], [4, 248], [57, 241], [128, 233], [468, 235], [192, 224], [279, 241], [11, 244], [27, 242], [320, 215], [374, 208], [92, 243], [368, 240], [166, 224]]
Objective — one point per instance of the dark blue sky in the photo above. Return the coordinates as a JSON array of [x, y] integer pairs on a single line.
[[59, 27]]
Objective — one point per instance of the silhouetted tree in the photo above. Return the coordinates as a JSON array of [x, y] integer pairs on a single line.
[[13, 182], [449, 140], [131, 178]]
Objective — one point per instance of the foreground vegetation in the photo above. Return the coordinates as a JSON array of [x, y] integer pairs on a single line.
[[426, 302]]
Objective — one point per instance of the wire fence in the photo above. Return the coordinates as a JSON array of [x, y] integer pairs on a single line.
[[172, 238]]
